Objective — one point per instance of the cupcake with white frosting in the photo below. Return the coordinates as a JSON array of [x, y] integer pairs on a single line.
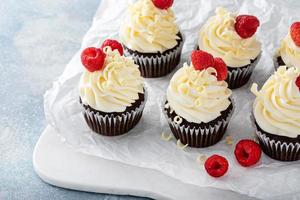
[[151, 36], [288, 53], [198, 105], [232, 38], [276, 113], [111, 90]]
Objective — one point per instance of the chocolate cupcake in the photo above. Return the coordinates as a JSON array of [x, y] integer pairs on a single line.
[[232, 38], [152, 38], [288, 53], [276, 114], [111, 90], [198, 105]]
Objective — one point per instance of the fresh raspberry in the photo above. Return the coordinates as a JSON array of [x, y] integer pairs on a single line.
[[295, 33], [93, 59], [163, 4], [221, 68], [298, 82], [202, 60], [216, 165], [247, 152], [246, 25], [114, 44]]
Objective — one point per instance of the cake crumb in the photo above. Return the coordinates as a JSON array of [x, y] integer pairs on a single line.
[[201, 158], [229, 140], [180, 145], [164, 137]]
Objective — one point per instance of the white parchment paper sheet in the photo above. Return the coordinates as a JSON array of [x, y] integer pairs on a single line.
[[143, 146]]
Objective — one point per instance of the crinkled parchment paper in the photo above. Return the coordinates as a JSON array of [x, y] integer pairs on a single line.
[[143, 146]]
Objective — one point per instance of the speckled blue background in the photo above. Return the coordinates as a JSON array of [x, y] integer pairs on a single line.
[[37, 39]]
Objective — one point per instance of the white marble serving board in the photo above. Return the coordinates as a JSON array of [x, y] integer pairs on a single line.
[[59, 165]]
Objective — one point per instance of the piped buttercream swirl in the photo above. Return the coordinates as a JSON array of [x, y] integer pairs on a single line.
[[290, 52], [219, 38], [113, 88], [198, 96], [277, 105], [149, 29]]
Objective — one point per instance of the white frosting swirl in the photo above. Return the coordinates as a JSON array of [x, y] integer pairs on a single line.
[[114, 87], [290, 52], [197, 96], [218, 37], [277, 105], [149, 29]]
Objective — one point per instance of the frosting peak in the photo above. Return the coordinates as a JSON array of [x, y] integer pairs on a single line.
[[290, 52], [277, 105], [149, 29], [219, 37], [113, 88], [196, 95]]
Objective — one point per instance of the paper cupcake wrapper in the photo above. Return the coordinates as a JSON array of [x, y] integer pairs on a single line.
[[199, 137], [276, 149], [237, 77], [157, 65], [114, 125]]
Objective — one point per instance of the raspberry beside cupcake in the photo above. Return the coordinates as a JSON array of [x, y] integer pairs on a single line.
[[150, 35], [289, 52], [198, 106], [111, 90], [276, 113], [232, 38]]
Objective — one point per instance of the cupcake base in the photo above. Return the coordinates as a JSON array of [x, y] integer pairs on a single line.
[[198, 135], [153, 65], [115, 123], [278, 147], [239, 76]]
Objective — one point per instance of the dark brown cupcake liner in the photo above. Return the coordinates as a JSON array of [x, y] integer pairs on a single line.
[[153, 65], [108, 124], [237, 77], [278, 147], [200, 136]]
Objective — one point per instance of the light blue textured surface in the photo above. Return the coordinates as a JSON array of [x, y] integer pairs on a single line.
[[37, 39]]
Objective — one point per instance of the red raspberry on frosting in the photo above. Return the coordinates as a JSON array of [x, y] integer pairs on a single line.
[[246, 25], [202, 60], [216, 165], [93, 59], [298, 82], [114, 44], [295, 33], [247, 152], [221, 69], [163, 4]]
